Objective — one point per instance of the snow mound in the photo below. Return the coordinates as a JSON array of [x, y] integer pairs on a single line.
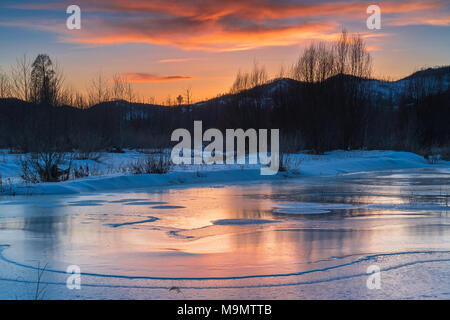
[[331, 163]]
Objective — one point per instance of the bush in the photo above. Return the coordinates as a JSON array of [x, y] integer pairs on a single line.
[[4, 158], [432, 158], [81, 171], [152, 164], [44, 167], [85, 155], [284, 162], [1, 183], [6, 186], [445, 153], [116, 149], [288, 163]]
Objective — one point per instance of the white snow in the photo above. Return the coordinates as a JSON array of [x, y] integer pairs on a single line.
[[109, 173]]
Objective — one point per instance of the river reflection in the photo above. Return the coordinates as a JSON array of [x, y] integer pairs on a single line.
[[250, 235]]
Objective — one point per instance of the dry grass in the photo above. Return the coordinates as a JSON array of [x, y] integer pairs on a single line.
[[7, 186], [289, 163], [158, 164]]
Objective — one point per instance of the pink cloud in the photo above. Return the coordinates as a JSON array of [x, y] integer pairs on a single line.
[[217, 25], [148, 77]]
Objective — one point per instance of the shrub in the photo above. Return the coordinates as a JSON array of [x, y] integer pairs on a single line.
[[3, 157], [445, 153], [87, 155], [432, 158], [6, 186], [81, 171], [152, 164], [284, 162], [288, 163], [1, 183], [116, 149], [44, 167]]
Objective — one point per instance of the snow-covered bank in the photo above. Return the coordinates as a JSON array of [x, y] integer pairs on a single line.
[[109, 175], [343, 162]]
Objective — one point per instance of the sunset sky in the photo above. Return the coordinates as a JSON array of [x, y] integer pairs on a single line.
[[165, 47]]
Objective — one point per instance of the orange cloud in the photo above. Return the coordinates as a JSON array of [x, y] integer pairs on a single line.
[[211, 38], [176, 60], [217, 25], [148, 77], [251, 9]]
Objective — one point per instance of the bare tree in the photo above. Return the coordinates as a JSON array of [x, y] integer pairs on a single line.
[[315, 64], [188, 95], [21, 78], [80, 101], [5, 85], [258, 75], [341, 52], [281, 72], [325, 62], [58, 84], [129, 92], [320, 61], [240, 83], [98, 90], [122, 89], [180, 99], [360, 61], [169, 101], [305, 67], [66, 96], [118, 89], [244, 81], [151, 100]]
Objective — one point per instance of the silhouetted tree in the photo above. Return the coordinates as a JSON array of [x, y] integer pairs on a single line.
[[43, 81], [5, 85], [180, 99], [21, 78], [98, 90]]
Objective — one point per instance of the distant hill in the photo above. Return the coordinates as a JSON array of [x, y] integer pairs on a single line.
[[437, 72], [418, 84], [343, 112]]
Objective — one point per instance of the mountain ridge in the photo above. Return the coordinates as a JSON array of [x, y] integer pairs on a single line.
[[430, 80]]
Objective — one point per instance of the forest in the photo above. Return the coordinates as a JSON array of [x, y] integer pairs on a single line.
[[327, 100]]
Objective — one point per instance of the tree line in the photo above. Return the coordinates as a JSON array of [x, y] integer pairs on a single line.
[[324, 101]]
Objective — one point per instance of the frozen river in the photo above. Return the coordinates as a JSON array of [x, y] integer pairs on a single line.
[[299, 238]]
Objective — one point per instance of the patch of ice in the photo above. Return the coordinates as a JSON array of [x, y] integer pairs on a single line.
[[126, 200], [86, 203], [309, 208], [238, 222], [301, 211], [425, 206], [316, 208], [168, 207], [143, 203], [116, 225]]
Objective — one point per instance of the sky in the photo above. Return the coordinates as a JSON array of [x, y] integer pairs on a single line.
[[167, 46]]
